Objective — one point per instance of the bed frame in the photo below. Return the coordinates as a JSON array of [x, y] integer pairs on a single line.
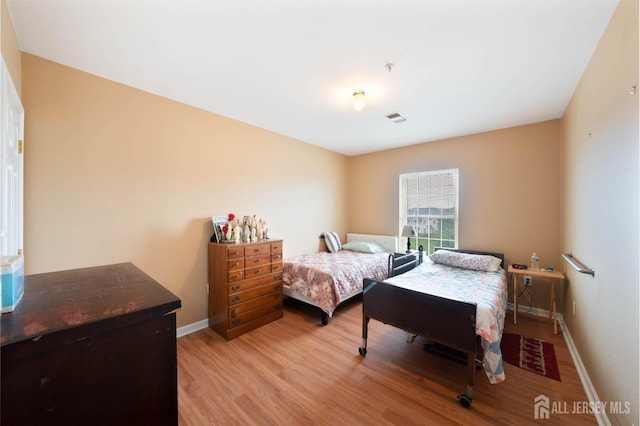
[[387, 242], [444, 321]]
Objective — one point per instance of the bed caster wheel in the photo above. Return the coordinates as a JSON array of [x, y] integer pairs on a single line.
[[465, 400], [363, 351]]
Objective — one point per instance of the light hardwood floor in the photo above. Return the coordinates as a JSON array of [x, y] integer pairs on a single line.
[[294, 371]]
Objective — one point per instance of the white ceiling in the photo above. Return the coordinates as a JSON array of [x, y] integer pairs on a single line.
[[291, 66]]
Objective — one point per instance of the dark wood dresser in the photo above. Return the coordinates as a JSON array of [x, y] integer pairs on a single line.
[[245, 286], [90, 346]]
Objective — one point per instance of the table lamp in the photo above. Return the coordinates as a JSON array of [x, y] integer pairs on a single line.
[[408, 231]]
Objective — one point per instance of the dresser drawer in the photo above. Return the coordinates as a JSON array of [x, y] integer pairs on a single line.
[[276, 247], [238, 315], [235, 264], [256, 249], [275, 298], [276, 257], [234, 252], [236, 276], [243, 296], [257, 271], [253, 261], [255, 282]]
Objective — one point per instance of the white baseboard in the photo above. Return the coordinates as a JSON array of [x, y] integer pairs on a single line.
[[534, 311], [192, 328], [601, 418]]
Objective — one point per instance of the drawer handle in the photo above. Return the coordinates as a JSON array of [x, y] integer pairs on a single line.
[[276, 287], [233, 313], [235, 299], [278, 277], [236, 287], [258, 270], [235, 322], [277, 306]]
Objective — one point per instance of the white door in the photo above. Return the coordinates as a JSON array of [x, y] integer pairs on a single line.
[[12, 167]]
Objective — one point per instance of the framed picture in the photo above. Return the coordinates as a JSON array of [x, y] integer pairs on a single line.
[[217, 234], [218, 223]]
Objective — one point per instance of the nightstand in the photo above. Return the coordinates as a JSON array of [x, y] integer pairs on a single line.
[[516, 277]]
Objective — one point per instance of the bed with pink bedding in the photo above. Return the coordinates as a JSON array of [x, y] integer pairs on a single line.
[[327, 279]]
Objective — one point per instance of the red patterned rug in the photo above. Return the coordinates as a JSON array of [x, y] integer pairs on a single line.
[[530, 353]]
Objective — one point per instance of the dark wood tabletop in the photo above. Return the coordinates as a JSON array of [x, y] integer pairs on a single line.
[[58, 301]]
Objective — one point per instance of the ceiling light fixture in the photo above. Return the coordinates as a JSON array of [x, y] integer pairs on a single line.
[[359, 101]]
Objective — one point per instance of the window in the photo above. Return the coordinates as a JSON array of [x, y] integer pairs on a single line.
[[429, 202]]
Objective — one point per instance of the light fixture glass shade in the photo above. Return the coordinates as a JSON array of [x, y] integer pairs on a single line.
[[359, 101]]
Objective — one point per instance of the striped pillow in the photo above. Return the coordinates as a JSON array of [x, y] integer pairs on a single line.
[[332, 240]]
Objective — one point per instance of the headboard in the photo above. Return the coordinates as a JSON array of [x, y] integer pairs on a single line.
[[388, 242]]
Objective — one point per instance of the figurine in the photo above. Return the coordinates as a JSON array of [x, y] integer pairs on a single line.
[[262, 229], [246, 229], [254, 229]]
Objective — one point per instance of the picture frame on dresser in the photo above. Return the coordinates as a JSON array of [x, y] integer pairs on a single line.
[[218, 222]]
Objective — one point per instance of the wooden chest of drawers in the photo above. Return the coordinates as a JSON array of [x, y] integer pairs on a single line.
[[90, 346], [245, 286]]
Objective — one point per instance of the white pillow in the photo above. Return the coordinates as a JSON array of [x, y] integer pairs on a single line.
[[476, 262], [363, 247], [332, 240]]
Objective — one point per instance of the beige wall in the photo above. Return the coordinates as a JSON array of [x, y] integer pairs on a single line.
[[509, 192], [601, 212], [114, 174], [9, 47]]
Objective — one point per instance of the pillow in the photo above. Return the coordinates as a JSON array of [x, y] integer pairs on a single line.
[[363, 247], [332, 240], [476, 262]]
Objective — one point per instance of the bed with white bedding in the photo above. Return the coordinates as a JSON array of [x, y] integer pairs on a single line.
[[457, 298]]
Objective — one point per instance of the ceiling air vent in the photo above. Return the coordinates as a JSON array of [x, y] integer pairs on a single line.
[[396, 118]]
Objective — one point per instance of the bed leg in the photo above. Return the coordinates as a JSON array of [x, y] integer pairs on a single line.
[[466, 398], [324, 318], [365, 330]]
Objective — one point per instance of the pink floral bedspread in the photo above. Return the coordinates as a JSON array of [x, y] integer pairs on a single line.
[[487, 289], [330, 278]]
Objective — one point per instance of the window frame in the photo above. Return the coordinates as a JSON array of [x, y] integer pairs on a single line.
[[425, 239]]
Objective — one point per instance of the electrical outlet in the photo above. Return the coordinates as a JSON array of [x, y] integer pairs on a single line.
[[527, 280]]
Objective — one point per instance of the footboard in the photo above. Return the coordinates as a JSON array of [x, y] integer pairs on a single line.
[[448, 322]]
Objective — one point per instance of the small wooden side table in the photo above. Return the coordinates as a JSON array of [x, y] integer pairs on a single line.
[[516, 275]]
